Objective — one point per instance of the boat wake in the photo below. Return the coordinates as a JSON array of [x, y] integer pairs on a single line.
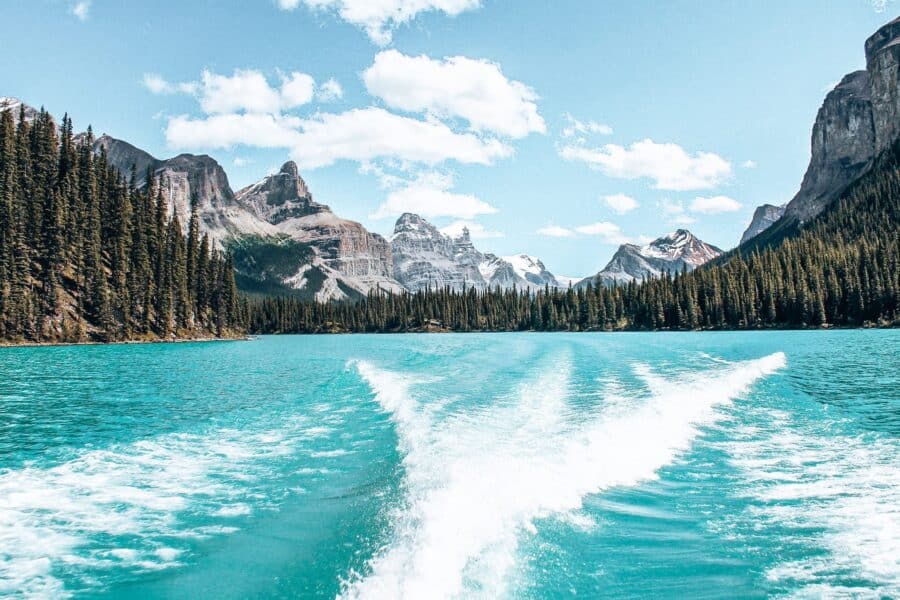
[[476, 481], [838, 495], [125, 507]]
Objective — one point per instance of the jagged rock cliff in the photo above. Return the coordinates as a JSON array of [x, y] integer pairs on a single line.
[[669, 254], [280, 197], [763, 217], [858, 120], [843, 146], [883, 66], [280, 235], [426, 258]]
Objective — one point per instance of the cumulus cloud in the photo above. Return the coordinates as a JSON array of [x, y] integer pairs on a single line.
[[609, 233], [430, 196], [371, 133], [227, 131], [556, 231], [477, 231], [714, 205], [667, 164], [472, 89], [378, 18], [580, 128], [297, 89], [749, 164], [620, 203], [358, 135], [247, 90], [81, 10]]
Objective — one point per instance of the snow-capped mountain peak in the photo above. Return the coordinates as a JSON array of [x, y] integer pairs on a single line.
[[426, 258], [670, 253]]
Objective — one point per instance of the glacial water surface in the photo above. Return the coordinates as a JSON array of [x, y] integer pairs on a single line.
[[701, 465]]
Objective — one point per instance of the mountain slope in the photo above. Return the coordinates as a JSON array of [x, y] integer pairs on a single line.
[[858, 121], [670, 253], [763, 217], [268, 225], [425, 258]]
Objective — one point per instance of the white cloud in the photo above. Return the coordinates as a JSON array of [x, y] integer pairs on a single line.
[[749, 164], [370, 133], [380, 17], [246, 90], [675, 213], [242, 162], [297, 89], [556, 231], [330, 90], [156, 84], [226, 131], [610, 233], [621, 203], [474, 90], [669, 165], [159, 86], [576, 127], [476, 230], [714, 205], [81, 10], [244, 109], [430, 196]]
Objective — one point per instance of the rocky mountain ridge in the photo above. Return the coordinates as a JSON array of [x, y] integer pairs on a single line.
[[763, 217], [265, 222], [670, 253], [859, 119], [425, 258]]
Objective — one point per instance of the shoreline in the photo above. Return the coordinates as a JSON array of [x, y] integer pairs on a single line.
[[253, 336], [705, 330], [29, 344]]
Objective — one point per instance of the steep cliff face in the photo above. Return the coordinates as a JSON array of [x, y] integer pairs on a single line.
[[280, 197], [362, 260], [883, 66], [859, 119], [426, 258], [280, 234], [763, 217], [184, 177], [843, 146], [671, 253]]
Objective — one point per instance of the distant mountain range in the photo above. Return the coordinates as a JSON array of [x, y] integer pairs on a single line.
[[426, 258], [284, 242]]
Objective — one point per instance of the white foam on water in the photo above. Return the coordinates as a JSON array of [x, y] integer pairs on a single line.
[[476, 482], [840, 495], [60, 520]]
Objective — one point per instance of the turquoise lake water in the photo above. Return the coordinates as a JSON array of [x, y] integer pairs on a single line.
[[701, 465]]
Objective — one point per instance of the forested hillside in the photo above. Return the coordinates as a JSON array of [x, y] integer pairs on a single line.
[[840, 269], [87, 256]]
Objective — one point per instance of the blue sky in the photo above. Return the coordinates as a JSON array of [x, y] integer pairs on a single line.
[[559, 128]]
